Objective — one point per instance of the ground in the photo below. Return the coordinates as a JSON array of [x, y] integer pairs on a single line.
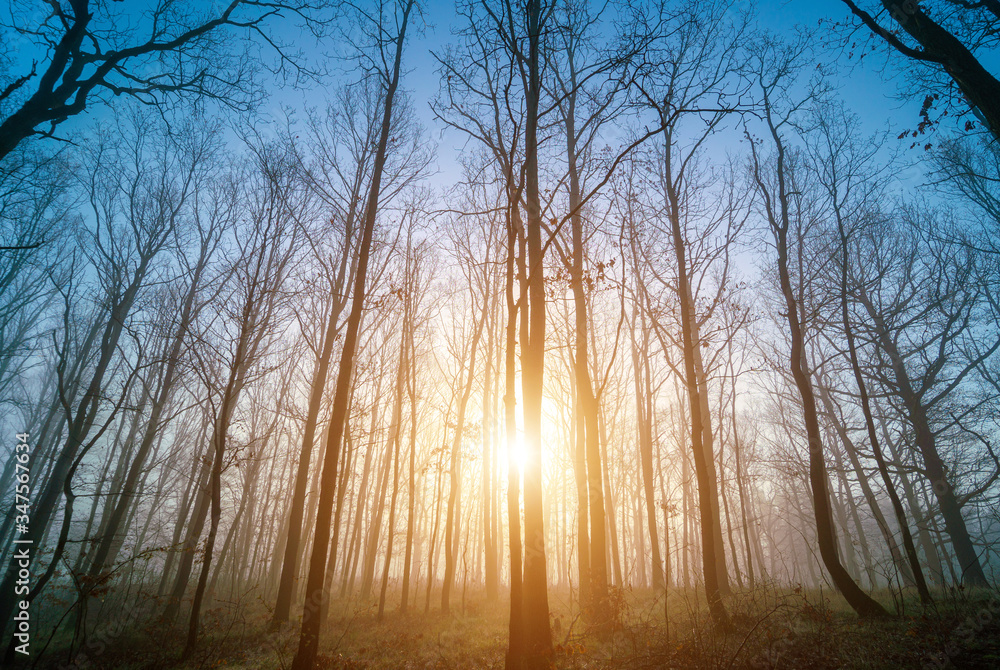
[[770, 628]]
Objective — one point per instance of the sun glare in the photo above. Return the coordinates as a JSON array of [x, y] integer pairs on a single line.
[[520, 453]]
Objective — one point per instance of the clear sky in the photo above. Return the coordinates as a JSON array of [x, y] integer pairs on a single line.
[[860, 85], [875, 101]]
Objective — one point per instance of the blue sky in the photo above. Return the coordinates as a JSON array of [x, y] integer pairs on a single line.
[[862, 88]]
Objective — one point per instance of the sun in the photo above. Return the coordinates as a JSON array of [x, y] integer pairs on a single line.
[[520, 455]]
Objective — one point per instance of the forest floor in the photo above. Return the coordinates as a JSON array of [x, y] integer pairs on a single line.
[[770, 629]]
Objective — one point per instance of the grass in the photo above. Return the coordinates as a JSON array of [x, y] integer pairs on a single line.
[[770, 628]]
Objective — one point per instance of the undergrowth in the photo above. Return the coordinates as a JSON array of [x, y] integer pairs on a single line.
[[768, 628]]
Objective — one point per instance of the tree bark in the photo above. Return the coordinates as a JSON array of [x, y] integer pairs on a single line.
[[934, 467], [536, 630], [452, 525], [941, 48], [290, 556], [779, 219], [305, 656]]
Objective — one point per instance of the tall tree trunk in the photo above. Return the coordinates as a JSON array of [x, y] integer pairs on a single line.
[[489, 539], [742, 491], [729, 521], [388, 465], [289, 562], [934, 467], [915, 572], [254, 325], [536, 629], [687, 506], [696, 408], [411, 488], [779, 218], [343, 482], [708, 442], [405, 367], [196, 525], [917, 513], [582, 517], [514, 658], [431, 556], [354, 547], [305, 656], [215, 500], [451, 527], [191, 498], [614, 546], [644, 412], [587, 403], [111, 540], [392, 520]]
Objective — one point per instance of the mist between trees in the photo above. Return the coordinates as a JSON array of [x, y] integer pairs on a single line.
[[673, 349]]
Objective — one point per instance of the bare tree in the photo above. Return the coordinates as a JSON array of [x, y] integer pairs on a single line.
[[336, 157], [780, 199], [845, 169], [36, 230], [91, 51], [536, 631], [930, 294], [138, 181], [275, 206], [210, 216], [388, 51], [589, 90], [696, 85], [946, 43]]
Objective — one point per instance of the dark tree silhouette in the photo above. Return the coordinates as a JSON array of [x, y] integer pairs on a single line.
[[391, 53], [95, 50], [933, 44]]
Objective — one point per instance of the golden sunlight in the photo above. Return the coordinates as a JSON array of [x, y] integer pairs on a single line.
[[512, 334]]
